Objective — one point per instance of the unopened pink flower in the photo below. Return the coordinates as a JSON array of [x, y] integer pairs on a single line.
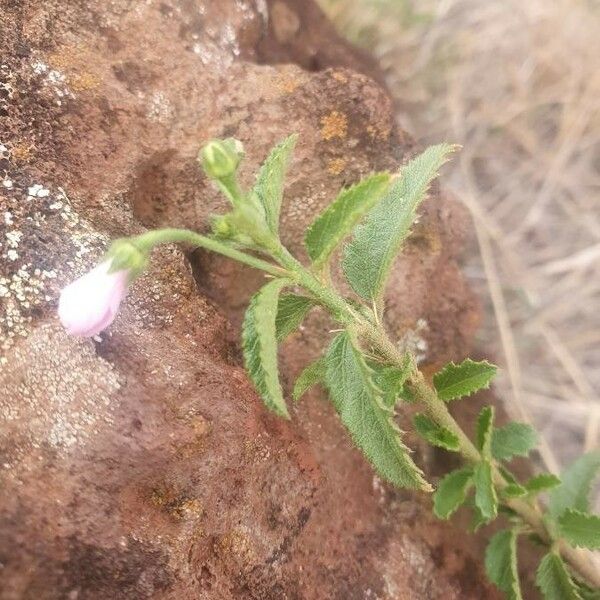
[[90, 303]]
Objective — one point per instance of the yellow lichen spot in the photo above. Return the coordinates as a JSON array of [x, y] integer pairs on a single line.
[[236, 543], [188, 509], [340, 76], [81, 82], [379, 131], [336, 165], [178, 506], [286, 84], [334, 125], [22, 152]]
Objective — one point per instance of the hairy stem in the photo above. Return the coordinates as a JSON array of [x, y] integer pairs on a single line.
[[147, 241]]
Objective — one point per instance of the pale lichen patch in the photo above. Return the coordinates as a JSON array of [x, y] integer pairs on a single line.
[[56, 393], [29, 270]]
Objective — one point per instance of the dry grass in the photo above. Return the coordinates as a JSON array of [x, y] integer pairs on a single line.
[[518, 85]]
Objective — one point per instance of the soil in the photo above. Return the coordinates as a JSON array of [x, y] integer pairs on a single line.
[[141, 464]]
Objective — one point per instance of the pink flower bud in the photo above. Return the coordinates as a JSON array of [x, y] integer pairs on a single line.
[[90, 303]]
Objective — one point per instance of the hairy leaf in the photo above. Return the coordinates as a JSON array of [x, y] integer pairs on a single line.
[[485, 492], [485, 427], [554, 580], [434, 434], [576, 485], [260, 345], [338, 219], [359, 403], [452, 492], [455, 381], [368, 258], [580, 529], [390, 380], [514, 439], [291, 310], [541, 483], [313, 374], [270, 179], [501, 563]]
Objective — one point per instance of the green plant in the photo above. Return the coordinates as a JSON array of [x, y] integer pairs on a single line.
[[365, 372]]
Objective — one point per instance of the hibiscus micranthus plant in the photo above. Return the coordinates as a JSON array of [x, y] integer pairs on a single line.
[[365, 372]]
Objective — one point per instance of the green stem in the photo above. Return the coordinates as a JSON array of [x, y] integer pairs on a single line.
[[147, 241]]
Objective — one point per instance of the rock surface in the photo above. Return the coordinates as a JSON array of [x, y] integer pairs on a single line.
[[141, 464]]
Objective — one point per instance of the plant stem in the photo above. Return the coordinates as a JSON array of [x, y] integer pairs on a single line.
[[146, 241]]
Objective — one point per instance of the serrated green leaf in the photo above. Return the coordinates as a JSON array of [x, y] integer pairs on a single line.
[[434, 434], [455, 381], [452, 492], [580, 529], [501, 563], [311, 375], [368, 258], [270, 180], [576, 485], [541, 483], [485, 428], [513, 439], [486, 499], [390, 380], [338, 219], [260, 345], [554, 580], [359, 403], [291, 310]]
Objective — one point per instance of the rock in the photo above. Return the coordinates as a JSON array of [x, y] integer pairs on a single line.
[[141, 464]]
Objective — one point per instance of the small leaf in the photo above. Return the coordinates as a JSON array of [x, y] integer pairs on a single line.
[[501, 563], [452, 492], [260, 345], [514, 439], [541, 483], [580, 529], [554, 580], [270, 180], [485, 427], [455, 381], [576, 485], [359, 403], [338, 219], [485, 492], [514, 490], [313, 374], [291, 311], [434, 434], [368, 258]]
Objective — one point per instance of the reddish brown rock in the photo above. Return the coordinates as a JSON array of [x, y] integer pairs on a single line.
[[141, 464]]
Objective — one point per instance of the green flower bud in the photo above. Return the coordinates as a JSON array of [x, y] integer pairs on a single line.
[[220, 158], [125, 255], [221, 226]]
